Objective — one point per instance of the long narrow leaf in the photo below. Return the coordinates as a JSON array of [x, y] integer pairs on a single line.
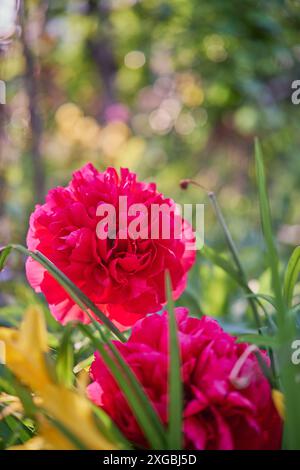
[[222, 263], [109, 429], [75, 293], [286, 327], [175, 379], [258, 340], [148, 408], [65, 359], [266, 221], [4, 253], [134, 383], [153, 434], [83, 364], [291, 276], [226, 266], [268, 298]]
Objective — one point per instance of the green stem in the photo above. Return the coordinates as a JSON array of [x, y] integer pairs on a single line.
[[230, 243], [234, 252]]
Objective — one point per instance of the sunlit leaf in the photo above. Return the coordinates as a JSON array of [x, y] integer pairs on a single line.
[[291, 276], [175, 438], [139, 403], [75, 293], [65, 359]]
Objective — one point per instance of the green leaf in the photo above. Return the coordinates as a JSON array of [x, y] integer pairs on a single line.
[[74, 292], [189, 299], [266, 221], [4, 253], [83, 364], [268, 298], [272, 301], [222, 263], [150, 412], [258, 340], [295, 309], [108, 428], [77, 295], [65, 358], [175, 438], [19, 430], [141, 407], [234, 252], [291, 276], [286, 326], [25, 396]]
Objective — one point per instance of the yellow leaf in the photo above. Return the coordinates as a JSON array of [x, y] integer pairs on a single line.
[[26, 350], [278, 400]]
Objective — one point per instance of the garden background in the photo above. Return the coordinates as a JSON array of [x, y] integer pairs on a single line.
[[170, 89]]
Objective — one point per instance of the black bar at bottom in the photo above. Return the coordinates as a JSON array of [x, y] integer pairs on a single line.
[[139, 459]]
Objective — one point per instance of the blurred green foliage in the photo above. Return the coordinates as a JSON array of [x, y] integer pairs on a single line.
[[170, 89]]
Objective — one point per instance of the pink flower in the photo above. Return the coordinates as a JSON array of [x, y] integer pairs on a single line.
[[227, 404], [124, 277]]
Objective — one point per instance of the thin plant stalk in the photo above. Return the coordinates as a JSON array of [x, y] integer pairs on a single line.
[[230, 243]]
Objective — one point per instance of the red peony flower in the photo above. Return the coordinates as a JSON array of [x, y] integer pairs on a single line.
[[227, 400], [123, 275]]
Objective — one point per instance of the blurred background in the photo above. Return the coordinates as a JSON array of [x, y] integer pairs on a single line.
[[172, 90]]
